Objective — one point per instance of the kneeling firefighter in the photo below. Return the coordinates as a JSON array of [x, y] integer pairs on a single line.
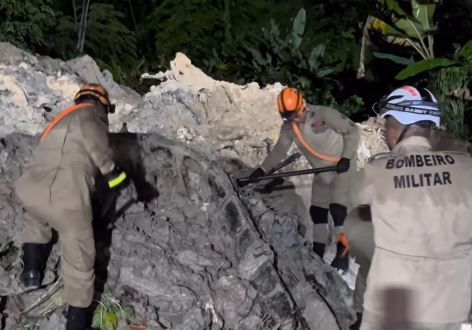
[[326, 138], [55, 190]]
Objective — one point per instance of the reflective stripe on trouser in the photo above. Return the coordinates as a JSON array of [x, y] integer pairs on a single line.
[[77, 247], [371, 321]]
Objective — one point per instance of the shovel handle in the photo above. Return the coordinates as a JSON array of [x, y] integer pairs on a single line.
[[287, 174]]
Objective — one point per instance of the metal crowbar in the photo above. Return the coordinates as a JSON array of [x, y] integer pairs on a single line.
[[248, 179]]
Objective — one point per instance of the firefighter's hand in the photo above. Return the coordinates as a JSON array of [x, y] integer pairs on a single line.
[[123, 187], [256, 173], [126, 196], [252, 177], [343, 165]]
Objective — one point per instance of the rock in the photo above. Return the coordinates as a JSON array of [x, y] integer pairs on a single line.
[[88, 71], [372, 141], [55, 322], [227, 112], [218, 111], [34, 90], [12, 55]]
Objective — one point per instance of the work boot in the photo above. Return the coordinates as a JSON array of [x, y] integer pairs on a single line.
[[319, 249], [341, 260], [33, 264], [79, 318]]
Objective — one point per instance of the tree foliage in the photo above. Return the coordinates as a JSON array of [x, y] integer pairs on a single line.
[[410, 32], [178, 25], [313, 45], [28, 23]]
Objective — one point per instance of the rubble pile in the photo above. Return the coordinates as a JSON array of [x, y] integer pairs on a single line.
[[195, 253]]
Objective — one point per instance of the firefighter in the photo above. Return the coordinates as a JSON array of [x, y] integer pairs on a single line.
[[55, 190], [326, 138], [421, 206]]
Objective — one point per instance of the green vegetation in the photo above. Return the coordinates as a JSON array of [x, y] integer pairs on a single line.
[[411, 30], [316, 46], [110, 311]]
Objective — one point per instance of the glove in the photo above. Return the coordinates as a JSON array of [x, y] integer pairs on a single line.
[[343, 165], [126, 196], [124, 189], [257, 172]]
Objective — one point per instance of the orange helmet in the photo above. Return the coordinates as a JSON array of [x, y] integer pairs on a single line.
[[290, 101], [95, 91]]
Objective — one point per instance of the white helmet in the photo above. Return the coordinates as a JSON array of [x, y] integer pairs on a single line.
[[408, 106]]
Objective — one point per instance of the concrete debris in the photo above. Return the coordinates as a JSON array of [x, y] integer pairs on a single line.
[[372, 141], [233, 264], [224, 120], [234, 121], [34, 90]]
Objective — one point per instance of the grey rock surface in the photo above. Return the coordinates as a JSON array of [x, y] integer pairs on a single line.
[[33, 90], [194, 253], [221, 119]]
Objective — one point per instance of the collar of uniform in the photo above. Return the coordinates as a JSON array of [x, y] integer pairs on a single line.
[[413, 141]]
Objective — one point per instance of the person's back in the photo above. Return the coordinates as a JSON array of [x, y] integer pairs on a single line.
[[62, 166], [421, 271], [422, 209]]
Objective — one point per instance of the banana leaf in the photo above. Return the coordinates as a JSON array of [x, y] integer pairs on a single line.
[[315, 54], [257, 55], [422, 66], [424, 13], [466, 51], [298, 28], [321, 73], [398, 41], [384, 28], [299, 22], [394, 58], [394, 6], [402, 28], [408, 26]]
